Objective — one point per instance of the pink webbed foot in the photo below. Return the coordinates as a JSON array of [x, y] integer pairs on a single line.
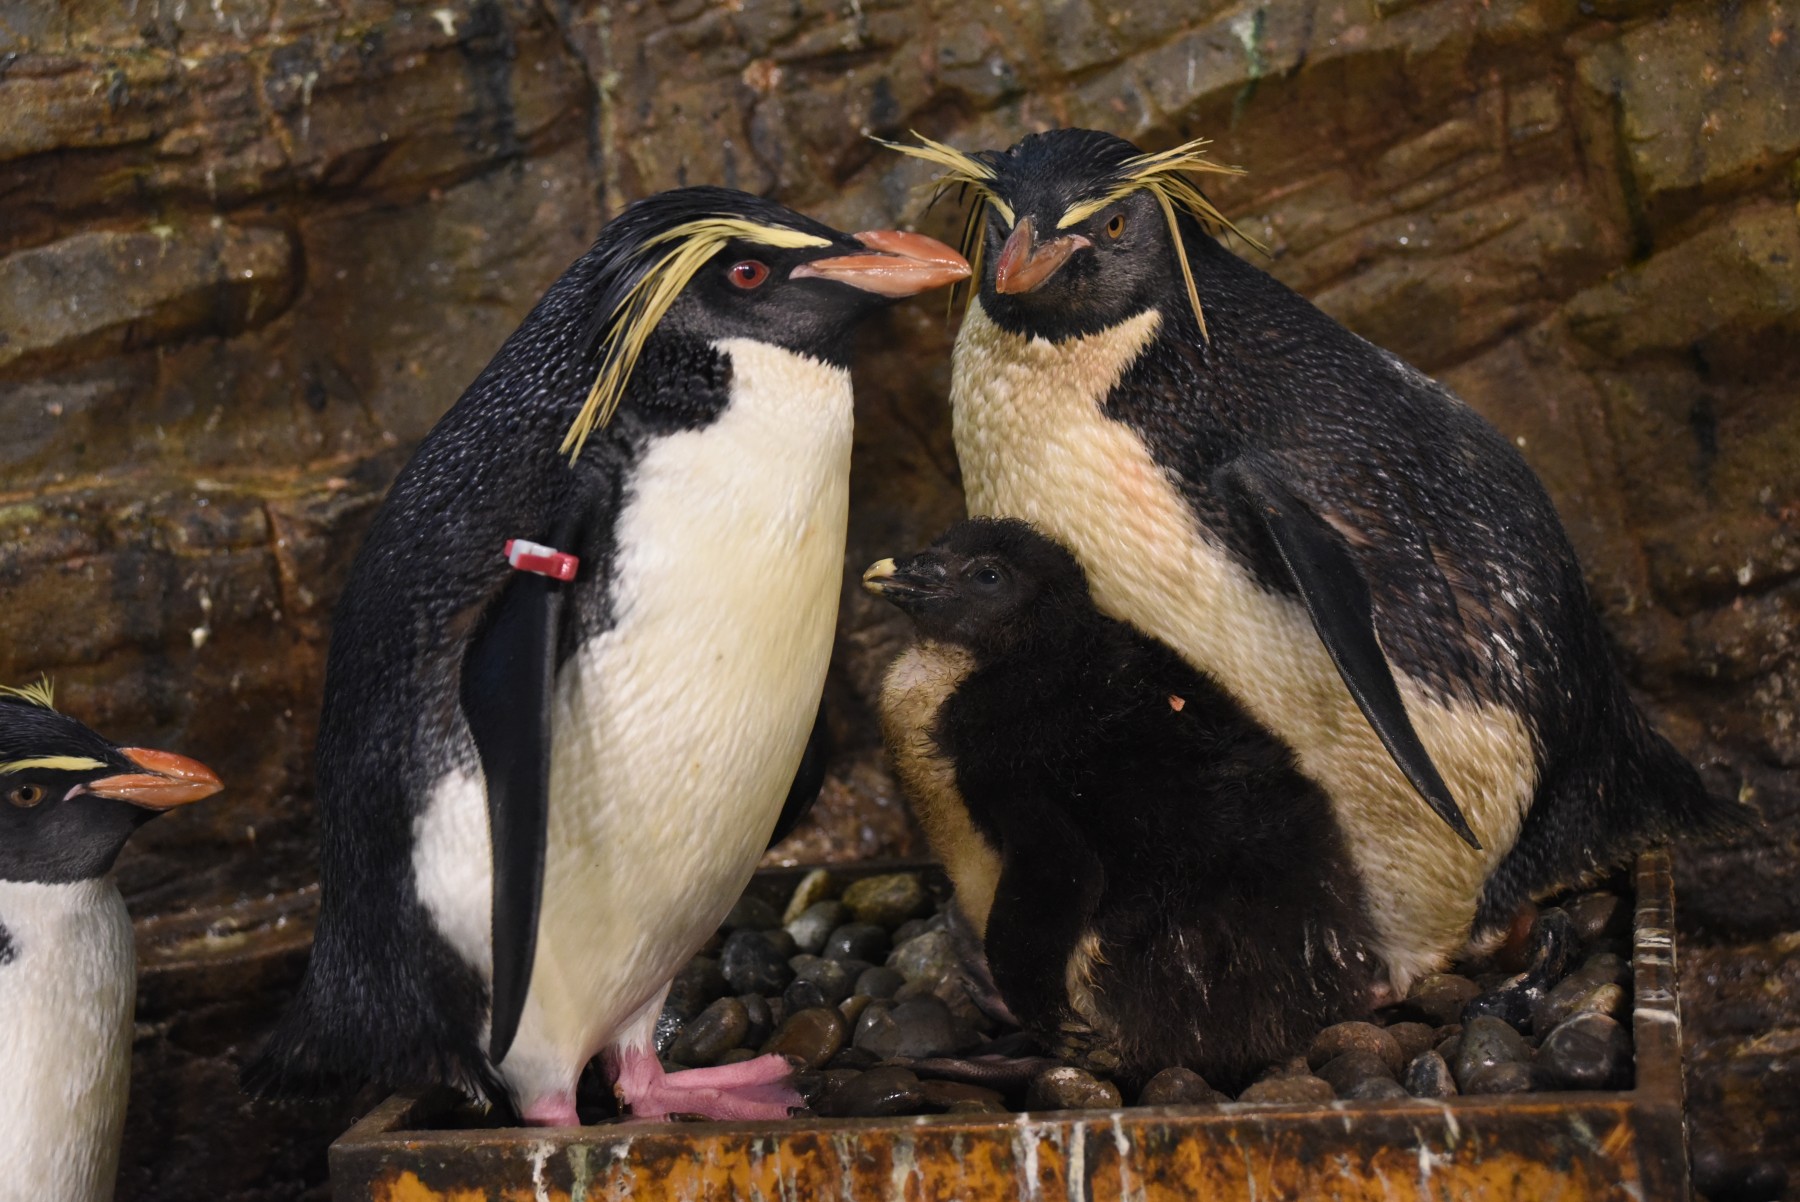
[[750, 1089], [555, 1111]]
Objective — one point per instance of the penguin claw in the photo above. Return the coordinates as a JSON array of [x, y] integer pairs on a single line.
[[751, 1089]]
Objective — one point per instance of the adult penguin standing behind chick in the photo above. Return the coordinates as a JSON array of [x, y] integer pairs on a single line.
[[1339, 541], [69, 800], [598, 629], [1154, 880]]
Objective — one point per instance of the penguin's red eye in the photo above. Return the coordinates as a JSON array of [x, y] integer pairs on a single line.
[[26, 796], [1116, 226], [748, 274]]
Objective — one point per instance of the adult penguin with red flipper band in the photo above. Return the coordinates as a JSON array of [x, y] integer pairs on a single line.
[[574, 670], [69, 800], [1352, 552]]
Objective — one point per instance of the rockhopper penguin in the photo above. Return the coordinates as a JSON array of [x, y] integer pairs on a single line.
[[1347, 548], [1155, 881], [69, 800], [575, 666]]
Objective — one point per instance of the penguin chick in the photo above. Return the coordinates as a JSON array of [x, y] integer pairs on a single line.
[[69, 800], [574, 668], [1157, 882], [1367, 565]]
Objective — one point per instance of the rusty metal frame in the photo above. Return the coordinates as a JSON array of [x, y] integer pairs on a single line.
[[1628, 1145]]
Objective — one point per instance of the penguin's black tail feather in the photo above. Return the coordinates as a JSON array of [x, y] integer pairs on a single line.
[[357, 1020]]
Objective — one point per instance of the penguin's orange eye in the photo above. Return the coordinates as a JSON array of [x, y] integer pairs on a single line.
[[748, 274], [26, 796], [1116, 226]]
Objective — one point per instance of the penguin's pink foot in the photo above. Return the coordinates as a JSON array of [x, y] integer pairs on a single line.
[[558, 1110], [750, 1089]]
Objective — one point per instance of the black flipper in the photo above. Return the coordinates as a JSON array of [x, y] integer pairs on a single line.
[[809, 778], [1337, 599], [507, 681]]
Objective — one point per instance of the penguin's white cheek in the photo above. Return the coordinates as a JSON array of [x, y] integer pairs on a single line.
[[453, 865]]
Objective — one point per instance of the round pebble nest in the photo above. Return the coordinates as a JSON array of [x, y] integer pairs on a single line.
[[860, 983]]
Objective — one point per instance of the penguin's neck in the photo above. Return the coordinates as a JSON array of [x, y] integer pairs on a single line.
[[67, 984]]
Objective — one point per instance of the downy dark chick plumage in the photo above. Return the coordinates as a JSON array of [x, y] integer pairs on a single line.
[[69, 800], [1155, 881], [538, 794], [1353, 553]]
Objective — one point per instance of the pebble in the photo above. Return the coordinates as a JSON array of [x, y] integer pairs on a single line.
[[912, 928], [750, 914], [887, 901], [1582, 990], [947, 1095], [1340, 1038], [1428, 1076], [1413, 1038], [1486, 1041], [1352, 1069], [814, 925], [1506, 1076], [668, 1029], [695, 986], [883, 1090], [815, 887], [930, 957], [880, 982], [1294, 1066], [1375, 1089], [1597, 915], [1553, 945], [803, 995], [857, 941], [1066, 1088], [876, 1031], [754, 963], [711, 1033], [737, 1056], [833, 977], [1438, 998], [762, 1019], [821, 1089], [1291, 1091], [856, 1058], [1589, 1051], [1179, 1087], [809, 1037], [925, 1028], [852, 1007]]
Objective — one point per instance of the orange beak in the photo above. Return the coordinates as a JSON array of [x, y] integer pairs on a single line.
[[1024, 264], [168, 780], [902, 265]]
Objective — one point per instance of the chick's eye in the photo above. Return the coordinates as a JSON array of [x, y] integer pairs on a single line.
[[26, 795], [1116, 226], [987, 577], [748, 274]]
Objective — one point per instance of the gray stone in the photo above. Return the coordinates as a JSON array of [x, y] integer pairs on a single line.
[[1589, 1051], [696, 986], [1413, 1038], [761, 1018], [879, 982], [959, 1097], [929, 958], [753, 963], [1597, 914], [751, 914], [1296, 1090], [1375, 1089], [814, 925], [710, 1034], [882, 1090], [887, 901], [1353, 1068], [1428, 1076], [833, 977], [1438, 998], [1339, 1038], [857, 941], [815, 887], [877, 1032], [1486, 1041], [924, 1027], [1065, 1088], [809, 1037], [1179, 1086], [1504, 1076]]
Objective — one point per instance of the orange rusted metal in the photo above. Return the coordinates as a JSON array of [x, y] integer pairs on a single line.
[[1573, 1146]]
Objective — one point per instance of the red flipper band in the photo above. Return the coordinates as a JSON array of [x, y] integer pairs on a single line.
[[542, 560]]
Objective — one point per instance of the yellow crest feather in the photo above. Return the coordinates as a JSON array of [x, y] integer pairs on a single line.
[[636, 316], [961, 171], [43, 693]]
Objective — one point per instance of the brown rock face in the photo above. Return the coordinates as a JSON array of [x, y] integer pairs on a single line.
[[249, 252]]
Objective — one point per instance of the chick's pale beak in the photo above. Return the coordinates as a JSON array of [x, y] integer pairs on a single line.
[[922, 577], [1024, 264], [168, 780], [877, 574], [901, 264]]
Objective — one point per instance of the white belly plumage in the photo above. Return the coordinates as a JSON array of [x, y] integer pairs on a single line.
[[1033, 443], [677, 731], [65, 1039]]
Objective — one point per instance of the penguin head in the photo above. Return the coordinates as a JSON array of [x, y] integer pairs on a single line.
[[714, 263], [993, 585], [1075, 230], [69, 799]]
